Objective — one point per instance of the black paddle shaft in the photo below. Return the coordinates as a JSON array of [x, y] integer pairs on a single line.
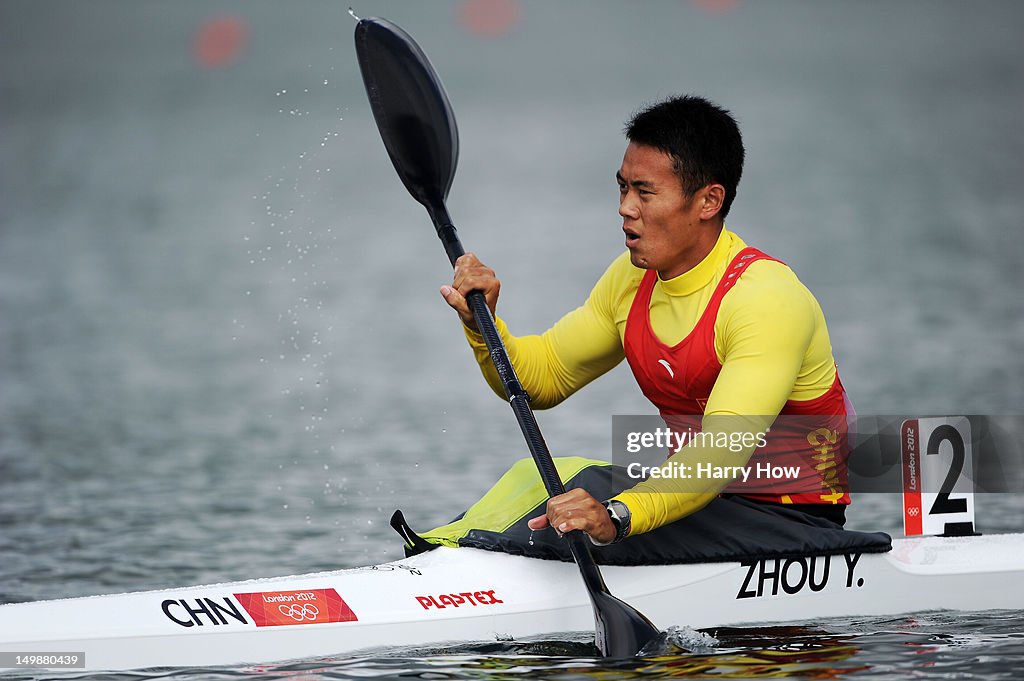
[[517, 396], [519, 400]]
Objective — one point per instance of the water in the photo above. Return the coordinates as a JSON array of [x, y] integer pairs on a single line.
[[223, 354]]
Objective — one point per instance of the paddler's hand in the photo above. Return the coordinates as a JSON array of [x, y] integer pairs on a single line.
[[577, 510], [471, 275]]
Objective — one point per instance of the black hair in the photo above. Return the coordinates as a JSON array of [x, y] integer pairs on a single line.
[[702, 138]]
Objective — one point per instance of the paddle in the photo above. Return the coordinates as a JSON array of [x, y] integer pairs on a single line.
[[417, 125]]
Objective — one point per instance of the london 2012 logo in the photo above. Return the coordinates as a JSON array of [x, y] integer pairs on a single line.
[[292, 608]]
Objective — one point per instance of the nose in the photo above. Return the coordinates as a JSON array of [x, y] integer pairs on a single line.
[[628, 207]]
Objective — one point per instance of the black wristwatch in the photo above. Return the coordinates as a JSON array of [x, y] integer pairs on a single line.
[[619, 513]]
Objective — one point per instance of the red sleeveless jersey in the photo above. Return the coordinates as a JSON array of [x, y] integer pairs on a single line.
[[805, 453]]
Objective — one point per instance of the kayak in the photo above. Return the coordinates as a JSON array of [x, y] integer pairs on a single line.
[[461, 595]]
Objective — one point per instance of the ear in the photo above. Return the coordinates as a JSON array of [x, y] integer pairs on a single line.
[[712, 197]]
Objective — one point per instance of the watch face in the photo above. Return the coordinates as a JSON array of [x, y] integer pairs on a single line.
[[619, 514], [618, 511]]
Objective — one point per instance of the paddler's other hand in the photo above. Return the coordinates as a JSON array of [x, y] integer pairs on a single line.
[[471, 275], [577, 510]]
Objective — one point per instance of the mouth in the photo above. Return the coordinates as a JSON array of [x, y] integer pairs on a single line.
[[632, 237]]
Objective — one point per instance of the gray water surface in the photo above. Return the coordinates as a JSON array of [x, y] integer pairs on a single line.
[[222, 350]]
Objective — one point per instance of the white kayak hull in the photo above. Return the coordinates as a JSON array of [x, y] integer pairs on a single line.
[[468, 595]]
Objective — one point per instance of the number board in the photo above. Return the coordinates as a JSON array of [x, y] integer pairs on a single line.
[[938, 476]]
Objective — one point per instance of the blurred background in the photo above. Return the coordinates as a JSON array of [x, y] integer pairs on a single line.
[[222, 350]]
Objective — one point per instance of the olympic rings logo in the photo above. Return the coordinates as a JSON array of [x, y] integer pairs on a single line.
[[913, 512], [297, 612]]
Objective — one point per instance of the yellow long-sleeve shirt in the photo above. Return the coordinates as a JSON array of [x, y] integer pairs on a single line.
[[770, 337]]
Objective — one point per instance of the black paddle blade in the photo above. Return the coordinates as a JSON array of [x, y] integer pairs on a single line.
[[411, 108], [621, 630]]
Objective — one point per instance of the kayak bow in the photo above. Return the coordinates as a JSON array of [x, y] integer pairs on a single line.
[[469, 595]]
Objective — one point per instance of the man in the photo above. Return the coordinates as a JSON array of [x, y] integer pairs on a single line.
[[713, 330]]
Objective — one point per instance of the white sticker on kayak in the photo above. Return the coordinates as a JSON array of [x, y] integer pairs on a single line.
[[938, 476]]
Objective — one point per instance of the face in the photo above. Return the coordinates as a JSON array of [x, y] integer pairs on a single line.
[[666, 230]]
